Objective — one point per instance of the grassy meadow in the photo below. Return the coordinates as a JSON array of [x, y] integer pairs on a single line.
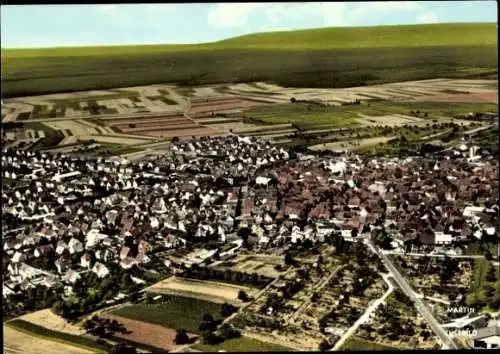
[[172, 312], [328, 57]]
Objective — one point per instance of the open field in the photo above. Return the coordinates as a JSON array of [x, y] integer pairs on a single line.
[[242, 344], [350, 145], [17, 342], [487, 97], [343, 57], [207, 290], [74, 343], [144, 333], [171, 311], [253, 264], [46, 318]]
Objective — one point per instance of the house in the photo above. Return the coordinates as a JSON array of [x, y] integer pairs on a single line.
[[441, 238], [45, 250], [61, 247], [61, 264], [85, 260], [125, 252], [18, 257], [488, 337], [71, 276], [75, 246], [128, 262], [100, 270]]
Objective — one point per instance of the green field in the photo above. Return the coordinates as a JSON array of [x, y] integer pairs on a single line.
[[45, 333], [356, 343], [328, 57], [314, 116], [242, 344], [172, 312]]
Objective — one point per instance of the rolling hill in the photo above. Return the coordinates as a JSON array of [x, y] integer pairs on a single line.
[[326, 57]]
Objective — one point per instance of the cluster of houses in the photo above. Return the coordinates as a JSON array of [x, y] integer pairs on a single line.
[[68, 215]]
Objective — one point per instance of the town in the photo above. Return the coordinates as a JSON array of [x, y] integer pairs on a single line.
[[81, 235]]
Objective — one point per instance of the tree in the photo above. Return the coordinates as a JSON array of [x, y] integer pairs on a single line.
[[489, 290], [324, 346], [293, 100], [181, 337], [491, 275], [488, 255], [209, 337], [289, 259], [242, 295], [227, 310], [226, 331]]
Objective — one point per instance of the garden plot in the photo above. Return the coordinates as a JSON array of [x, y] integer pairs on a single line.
[[207, 290]]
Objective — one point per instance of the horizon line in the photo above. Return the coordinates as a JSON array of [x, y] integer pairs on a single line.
[[228, 38]]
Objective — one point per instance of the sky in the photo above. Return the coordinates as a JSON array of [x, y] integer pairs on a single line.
[[24, 26]]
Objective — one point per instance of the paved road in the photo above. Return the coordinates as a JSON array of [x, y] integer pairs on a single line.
[[417, 301]]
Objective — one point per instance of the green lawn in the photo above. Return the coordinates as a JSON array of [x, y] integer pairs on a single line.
[[242, 344], [356, 343], [172, 312], [328, 57]]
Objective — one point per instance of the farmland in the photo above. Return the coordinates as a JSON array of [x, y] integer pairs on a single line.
[[17, 341], [342, 58], [172, 312], [207, 290], [153, 336]]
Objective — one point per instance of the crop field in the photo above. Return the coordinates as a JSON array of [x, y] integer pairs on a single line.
[[46, 318], [351, 145], [17, 342], [144, 333], [343, 57], [172, 311], [206, 290], [242, 344], [473, 91], [210, 106], [308, 116]]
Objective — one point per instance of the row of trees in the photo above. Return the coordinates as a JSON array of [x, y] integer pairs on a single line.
[[229, 275]]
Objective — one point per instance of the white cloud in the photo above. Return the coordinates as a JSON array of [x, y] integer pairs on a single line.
[[107, 8], [427, 17], [237, 15]]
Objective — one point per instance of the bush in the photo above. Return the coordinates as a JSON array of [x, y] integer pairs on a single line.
[[181, 337]]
